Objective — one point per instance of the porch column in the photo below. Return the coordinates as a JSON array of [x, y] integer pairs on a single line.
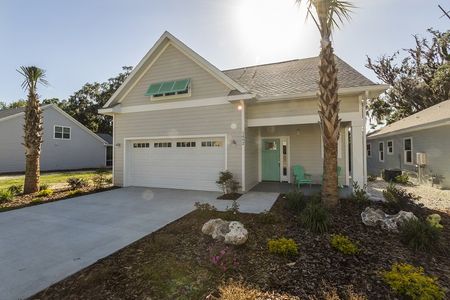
[[358, 153]]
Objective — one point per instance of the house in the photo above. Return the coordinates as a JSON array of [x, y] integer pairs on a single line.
[[67, 144], [420, 142], [178, 121]]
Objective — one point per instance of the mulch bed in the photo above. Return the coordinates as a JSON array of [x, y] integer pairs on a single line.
[[230, 196], [21, 201], [174, 262]]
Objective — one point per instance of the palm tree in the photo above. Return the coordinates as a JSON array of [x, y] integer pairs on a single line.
[[33, 127], [328, 14]]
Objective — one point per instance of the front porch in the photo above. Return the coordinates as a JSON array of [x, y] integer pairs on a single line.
[[345, 192]]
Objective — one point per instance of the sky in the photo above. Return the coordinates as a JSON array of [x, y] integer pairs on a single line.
[[90, 40]]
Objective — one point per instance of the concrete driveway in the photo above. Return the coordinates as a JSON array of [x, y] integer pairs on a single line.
[[41, 245]]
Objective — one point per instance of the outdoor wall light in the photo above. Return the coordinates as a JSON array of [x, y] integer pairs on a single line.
[[239, 107]]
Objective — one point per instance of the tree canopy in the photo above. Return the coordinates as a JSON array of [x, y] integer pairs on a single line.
[[419, 79]]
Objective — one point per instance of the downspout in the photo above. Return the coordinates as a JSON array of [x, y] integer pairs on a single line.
[[243, 137], [364, 111]]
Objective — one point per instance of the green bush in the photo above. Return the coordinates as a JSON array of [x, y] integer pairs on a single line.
[[227, 183], [371, 178], [43, 186], [77, 183], [419, 235], [44, 193], [315, 217], [283, 246], [100, 179], [343, 244], [37, 200], [397, 198], [359, 194], [295, 202], [267, 217], [16, 189], [435, 221], [6, 195], [232, 212], [74, 193], [402, 179], [409, 281]]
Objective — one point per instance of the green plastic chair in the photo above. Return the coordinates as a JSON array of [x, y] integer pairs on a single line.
[[301, 177]]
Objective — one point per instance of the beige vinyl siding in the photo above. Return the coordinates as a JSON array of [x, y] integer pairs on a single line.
[[216, 119], [305, 148], [435, 142], [172, 64], [251, 157], [296, 107]]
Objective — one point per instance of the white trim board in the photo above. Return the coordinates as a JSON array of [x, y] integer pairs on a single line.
[[354, 117]]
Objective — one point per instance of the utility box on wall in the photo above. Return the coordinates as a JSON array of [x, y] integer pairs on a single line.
[[421, 159]]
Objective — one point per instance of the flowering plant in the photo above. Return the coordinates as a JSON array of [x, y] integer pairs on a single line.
[[223, 258]]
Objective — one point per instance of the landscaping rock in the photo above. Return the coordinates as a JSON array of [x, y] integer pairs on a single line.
[[374, 217], [233, 233]]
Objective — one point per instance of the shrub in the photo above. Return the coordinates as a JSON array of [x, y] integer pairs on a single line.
[[315, 217], [77, 183], [295, 202], [74, 193], [371, 178], [232, 211], [359, 195], [267, 217], [44, 193], [409, 281], [419, 235], [223, 258], [227, 183], [6, 195], [100, 178], [397, 198], [240, 291], [283, 246], [37, 200], [435, 221], [343, 244], [16, 189], [402, 179], [43, 186]]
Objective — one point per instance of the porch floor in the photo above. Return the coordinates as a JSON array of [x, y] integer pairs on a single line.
[[284, 187]]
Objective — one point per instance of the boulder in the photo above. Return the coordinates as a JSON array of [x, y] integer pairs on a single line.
[[374, 217], [233, 233]]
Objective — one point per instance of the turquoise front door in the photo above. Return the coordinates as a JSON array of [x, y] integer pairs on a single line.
[[270, 160]]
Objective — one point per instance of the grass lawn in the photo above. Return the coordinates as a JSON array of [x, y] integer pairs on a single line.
[[179, 262], [51, 179]]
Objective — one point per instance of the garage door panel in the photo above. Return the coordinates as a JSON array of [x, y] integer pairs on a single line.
[[194, 168]]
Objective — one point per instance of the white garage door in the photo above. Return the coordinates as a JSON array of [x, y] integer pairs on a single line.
[[192, 164]]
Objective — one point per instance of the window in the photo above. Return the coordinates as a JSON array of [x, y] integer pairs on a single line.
[[185, 144], [369, 150], [211, 144], [408, 151], [141, 145], [381, 151], [162, 145], [169, 88], [390, 147], [61, 132]]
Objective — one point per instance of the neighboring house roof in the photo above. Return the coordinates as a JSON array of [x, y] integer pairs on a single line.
[[433, 116], [297, 76], [107, 137], [15, 112], [292, 78]]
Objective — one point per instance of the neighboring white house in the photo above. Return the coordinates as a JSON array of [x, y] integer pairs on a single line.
[[178, 121], [396, 146], [67, 144]]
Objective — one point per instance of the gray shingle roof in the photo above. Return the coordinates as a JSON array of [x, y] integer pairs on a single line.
[[11, 111], [106, 137], [292, 77], [434, 114]]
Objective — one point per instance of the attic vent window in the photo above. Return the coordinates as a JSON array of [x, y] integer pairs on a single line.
[[169, 88]]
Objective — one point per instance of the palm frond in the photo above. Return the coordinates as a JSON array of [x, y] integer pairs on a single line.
[[32, 76]]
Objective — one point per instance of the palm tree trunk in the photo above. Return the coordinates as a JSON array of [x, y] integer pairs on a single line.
[[32, 172], [330, 122]]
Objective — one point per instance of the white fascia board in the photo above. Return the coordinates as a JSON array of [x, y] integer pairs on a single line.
[[410, 129], [353, 117]]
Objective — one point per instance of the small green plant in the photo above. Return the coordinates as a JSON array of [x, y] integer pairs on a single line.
[[205, 209], [283, 246], [267, 217], [435, 221], [371, 178], [227, 183], [43, 186], [315, 217], [37, 200], [359, 194], [231, 212], [410, 281], [419, 235], [74, 193], [397, 198], [402, 179], [44, 193], [6, 196], [100, 178], [16, 189], [343, 244], [77, 183], [295, 202]]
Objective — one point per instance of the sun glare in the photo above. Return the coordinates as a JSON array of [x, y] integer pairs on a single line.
[[269, 27]]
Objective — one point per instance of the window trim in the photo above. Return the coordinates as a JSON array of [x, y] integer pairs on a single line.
[[382, 151], [387, 147], [369, 150], [62, 132], [404, 151]]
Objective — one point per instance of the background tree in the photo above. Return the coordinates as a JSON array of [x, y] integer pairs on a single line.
[[328, 15], [419, 80], [32, 127]]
